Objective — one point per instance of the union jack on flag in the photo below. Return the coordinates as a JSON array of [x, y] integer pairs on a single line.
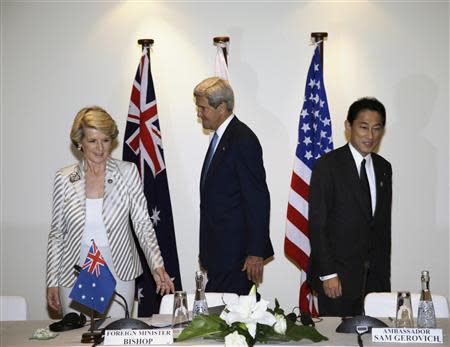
[[94, 260], [143, 146], [314, 140], [145, 141]]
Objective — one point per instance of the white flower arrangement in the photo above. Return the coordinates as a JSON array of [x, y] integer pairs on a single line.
[[250, 321]]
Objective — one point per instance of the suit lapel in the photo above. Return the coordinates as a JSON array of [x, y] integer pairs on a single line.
[[380, 182], [221, 149], [113, 187], [78, 183]]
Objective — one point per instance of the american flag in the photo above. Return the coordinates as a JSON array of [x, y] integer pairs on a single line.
[[94, 288], [143, 146], [314, 140]]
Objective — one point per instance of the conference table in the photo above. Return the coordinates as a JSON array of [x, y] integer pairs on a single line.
[[18, 333]]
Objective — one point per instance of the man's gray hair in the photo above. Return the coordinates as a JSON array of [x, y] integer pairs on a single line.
[[216, 90]]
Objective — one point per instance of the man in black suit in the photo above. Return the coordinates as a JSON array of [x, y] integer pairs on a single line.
[[350, 215], [234, 199]]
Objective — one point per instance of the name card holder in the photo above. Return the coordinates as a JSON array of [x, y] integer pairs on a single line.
[[407, 335], [142, 337]]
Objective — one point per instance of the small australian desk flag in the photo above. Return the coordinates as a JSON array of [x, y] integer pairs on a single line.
[[95, 284]]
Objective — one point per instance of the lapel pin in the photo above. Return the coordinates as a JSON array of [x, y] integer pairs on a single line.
[[74, 176], [381, 183]]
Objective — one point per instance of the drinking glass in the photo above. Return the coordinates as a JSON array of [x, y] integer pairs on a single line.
[[180, 315], [404, 317]]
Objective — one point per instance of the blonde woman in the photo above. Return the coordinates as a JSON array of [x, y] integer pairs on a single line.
[[97, 198]]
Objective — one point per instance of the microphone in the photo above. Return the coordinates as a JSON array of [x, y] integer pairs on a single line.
[[362, 323]]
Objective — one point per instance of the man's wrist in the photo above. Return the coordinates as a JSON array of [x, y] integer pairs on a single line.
[[327, 277]]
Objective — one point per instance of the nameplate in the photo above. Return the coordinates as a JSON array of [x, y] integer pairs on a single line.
[[141, 337], [407, 335]]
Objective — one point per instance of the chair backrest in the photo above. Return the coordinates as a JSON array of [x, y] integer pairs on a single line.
[[213, 299], [385, 304], [13, 308]]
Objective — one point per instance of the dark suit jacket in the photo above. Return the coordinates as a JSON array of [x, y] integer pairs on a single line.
[[343, 233], [234, 203]]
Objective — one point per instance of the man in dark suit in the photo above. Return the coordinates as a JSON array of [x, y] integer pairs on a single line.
[[234, 199], [350, 215]]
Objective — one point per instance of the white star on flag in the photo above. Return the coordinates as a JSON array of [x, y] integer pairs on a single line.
[[305, 127], [326, 122], [155, 216], [140, 295]]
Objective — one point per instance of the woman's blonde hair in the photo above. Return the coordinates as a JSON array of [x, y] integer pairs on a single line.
[[93, 117]]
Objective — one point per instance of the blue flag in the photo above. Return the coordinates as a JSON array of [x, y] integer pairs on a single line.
[[143, 146], [95, 284]]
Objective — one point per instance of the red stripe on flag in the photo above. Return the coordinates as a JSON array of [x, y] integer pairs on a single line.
[[296, 254], [306, 304], [135, 97], [298, 220], [300, 186]]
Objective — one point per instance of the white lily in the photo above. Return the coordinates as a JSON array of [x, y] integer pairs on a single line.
[[249, 312], [281, 325], [235, 340]]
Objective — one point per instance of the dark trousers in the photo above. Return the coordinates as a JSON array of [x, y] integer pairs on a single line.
[[339, 307], [229, 282]]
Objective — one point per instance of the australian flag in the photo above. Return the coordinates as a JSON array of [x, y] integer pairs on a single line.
[[95, 284], [143, 146]]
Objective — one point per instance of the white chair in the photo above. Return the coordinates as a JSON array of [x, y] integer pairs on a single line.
[[13, 308], [213, 299], [385, 304]]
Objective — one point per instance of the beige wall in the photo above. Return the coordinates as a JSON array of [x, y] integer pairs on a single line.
[[59, 57]]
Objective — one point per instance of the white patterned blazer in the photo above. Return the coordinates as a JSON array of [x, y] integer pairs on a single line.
[[123, 198]]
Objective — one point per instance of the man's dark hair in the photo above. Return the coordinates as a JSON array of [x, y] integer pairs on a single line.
[[366, 103]]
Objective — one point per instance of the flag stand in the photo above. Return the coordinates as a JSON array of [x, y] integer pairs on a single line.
[[91, 336], [222, 39]]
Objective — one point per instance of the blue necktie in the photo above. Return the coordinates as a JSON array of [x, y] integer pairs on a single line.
[[210, 154]]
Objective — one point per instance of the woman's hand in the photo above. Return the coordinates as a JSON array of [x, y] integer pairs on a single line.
[[164, 284], [53, 298]]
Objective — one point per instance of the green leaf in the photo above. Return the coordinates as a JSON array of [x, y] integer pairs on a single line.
[[203, 326], [299, 332], [278, 309]]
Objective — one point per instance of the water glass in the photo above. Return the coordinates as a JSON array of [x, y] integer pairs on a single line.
[[404, 317], [180, 315]]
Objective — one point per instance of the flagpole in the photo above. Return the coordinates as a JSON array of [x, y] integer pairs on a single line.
[[319, 37], [222, 39]]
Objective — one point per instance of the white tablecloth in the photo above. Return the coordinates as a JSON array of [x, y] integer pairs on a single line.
[[15, 334]]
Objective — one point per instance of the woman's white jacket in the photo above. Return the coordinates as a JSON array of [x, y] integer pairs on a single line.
[[123, 200]]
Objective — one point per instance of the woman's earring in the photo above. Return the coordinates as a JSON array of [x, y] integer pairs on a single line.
[[79, 147]]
